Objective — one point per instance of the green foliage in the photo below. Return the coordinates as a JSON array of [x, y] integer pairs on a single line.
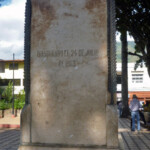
[[8, 92], [147, 108], [9, 105], [1, 91], [21, 96], [16, 104], [4, 105], [133, 16], [19, 102]]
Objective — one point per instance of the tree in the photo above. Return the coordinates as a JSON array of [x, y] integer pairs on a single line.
[[8, 92], [140, 30], [20, 100], [1, 91], [121, 27], [124, 77], [134, 16]]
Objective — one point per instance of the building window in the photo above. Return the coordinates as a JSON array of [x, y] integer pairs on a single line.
[[137, 78], [118, 79], [2, 67], [15, 66], [4, 82]]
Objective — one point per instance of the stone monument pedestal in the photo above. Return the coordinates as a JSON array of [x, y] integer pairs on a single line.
[[69, 76], [52, 148]]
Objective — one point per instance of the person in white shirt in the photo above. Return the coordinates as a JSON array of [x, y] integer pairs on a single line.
[[134, 107]]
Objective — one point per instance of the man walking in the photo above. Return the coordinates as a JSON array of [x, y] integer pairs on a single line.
[[134, 107]]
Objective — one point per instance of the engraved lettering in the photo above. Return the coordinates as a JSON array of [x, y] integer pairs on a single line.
[[70, 63], [60, 53], [81, 52], [74, 53], [68, 53], [67, 63]]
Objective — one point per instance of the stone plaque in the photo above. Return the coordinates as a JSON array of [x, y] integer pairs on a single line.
[[67, 94]]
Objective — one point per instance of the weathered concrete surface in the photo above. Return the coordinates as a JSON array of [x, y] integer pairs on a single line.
[[25, 124], [69, 73], [112, 126], [47, 148]]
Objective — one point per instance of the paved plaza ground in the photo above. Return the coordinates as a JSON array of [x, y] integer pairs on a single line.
[[10, 138], [133, 140], [9, 120]]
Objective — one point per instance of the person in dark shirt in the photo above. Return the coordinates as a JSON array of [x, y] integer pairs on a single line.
[[120, 106]]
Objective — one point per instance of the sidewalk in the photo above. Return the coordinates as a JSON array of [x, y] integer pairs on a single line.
[[9, 122], [9, 139], [9, 132], [133, 140]]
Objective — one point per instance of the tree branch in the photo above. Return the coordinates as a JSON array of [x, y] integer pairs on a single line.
[[134, 54]]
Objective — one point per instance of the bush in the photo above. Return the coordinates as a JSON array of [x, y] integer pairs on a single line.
[[9, 105], [3, 105], [22, 104], [8, 92], [19, 102], [147, 108], [16, 104], [1, 92]]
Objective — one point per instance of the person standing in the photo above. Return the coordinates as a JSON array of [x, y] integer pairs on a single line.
[[134, 107], [120, 108]]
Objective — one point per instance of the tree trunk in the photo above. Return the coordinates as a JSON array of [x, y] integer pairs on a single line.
[[124, 77], [148, 58], [16, 112], [148, 69]]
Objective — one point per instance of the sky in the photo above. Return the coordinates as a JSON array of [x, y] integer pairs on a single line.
[[12, 29], [129, 38], [4, 2]]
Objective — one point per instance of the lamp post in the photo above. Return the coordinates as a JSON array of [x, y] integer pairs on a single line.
[[13, 88]]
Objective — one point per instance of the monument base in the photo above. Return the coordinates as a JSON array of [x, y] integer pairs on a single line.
[[59, 148]]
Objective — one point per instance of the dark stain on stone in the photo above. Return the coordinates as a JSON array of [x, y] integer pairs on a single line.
[[91, 4], [46, 122], [64, 84], [39, 104], [98, 9], [43, 13], [67, 3], [101, 73], [70, 15]]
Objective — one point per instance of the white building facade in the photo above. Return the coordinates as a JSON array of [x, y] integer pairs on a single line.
[[6, 74], [138, 80]]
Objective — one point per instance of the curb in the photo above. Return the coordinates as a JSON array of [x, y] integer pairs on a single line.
[[13, 126]]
